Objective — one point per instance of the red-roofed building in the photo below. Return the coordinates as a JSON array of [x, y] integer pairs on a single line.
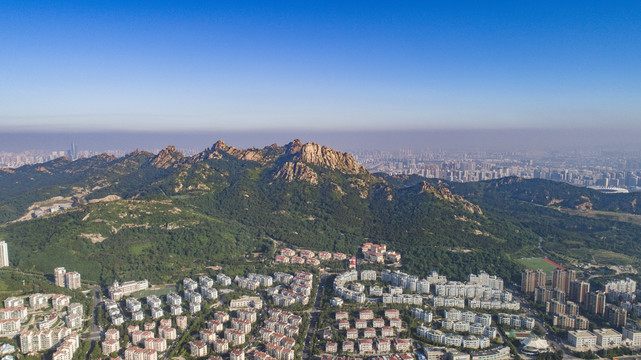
[[342, 315], [366, 315], [378, 323], [311, 261], [387, 331], [339, 256], [402, 345], [237, 354], [383, 345], [348, 346], [198, 349], [369, 333], [306, 254], [365, 345], [392, 313], [287, 252]]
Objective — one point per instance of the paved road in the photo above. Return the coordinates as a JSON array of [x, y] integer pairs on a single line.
[[313, 320], [95, 330], [550, 337]]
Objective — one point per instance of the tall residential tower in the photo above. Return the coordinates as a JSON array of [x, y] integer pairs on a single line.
[[4, 254]]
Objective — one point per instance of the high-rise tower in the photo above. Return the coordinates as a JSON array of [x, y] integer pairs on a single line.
[[4, 254]]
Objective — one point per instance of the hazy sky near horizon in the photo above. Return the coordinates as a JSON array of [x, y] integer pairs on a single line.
[[326, 65]]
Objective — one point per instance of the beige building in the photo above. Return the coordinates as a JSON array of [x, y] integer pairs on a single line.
[[633, 336], [197, 349], [608, 338], [110, 346], [581, 339]]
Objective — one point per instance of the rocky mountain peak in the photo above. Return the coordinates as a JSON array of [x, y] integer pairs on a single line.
[[294, 146], [106, 157], [300, 156], [167, 157], [315, 154], [220, 145]]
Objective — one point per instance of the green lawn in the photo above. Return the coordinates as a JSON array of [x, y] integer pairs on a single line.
[[158, 292], [518, 334], [537, 263]]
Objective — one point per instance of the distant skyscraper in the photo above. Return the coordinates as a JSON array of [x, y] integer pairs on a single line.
[[73, 152], [59, 276], [4, 254]]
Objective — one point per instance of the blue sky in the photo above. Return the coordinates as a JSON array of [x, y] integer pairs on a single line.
[[325, 65]]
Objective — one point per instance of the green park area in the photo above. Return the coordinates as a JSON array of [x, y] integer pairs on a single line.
[[537, 263]]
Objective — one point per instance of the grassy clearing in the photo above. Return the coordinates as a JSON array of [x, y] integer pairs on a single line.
[[157, 292], [605, 257], [610, 257], [536, 263], [605, 215]]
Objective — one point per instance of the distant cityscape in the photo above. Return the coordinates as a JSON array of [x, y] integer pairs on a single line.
[[607, 171], [616, 172], [30, 157]]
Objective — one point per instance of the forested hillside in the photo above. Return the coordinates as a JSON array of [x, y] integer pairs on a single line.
[[161, 216]]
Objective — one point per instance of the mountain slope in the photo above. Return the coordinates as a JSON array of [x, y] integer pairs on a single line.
[[180, 214]]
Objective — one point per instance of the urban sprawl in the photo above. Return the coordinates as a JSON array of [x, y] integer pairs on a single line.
[[327, 306]]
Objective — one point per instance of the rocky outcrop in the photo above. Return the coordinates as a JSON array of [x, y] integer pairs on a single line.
[[205, 155], [138, 152], [167, 158], [324, 156], [445, 194], [586, 204], [106, 157], [42, 169], [220, 147], [107, 198], [297, 171]]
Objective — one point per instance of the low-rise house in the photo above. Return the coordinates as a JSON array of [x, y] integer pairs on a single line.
[[331, 347]]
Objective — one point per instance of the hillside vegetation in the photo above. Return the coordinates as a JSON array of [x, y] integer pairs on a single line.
[[165, 215]]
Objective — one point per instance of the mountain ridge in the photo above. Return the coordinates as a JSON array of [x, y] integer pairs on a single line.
[[303, 195]]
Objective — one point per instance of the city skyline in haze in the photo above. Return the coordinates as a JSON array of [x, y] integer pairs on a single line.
[[452, 141], [329, 66]]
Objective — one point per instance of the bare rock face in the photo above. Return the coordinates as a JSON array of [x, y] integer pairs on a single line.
[[106, 157], [297, 171], [445, 194], [315, 154], [205, 155], [300, 156], [586, 204], [294, 147], [248, 154], [167, 157]]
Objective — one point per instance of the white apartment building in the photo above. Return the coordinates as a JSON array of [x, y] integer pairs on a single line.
[[581, 339], [4, 254]]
